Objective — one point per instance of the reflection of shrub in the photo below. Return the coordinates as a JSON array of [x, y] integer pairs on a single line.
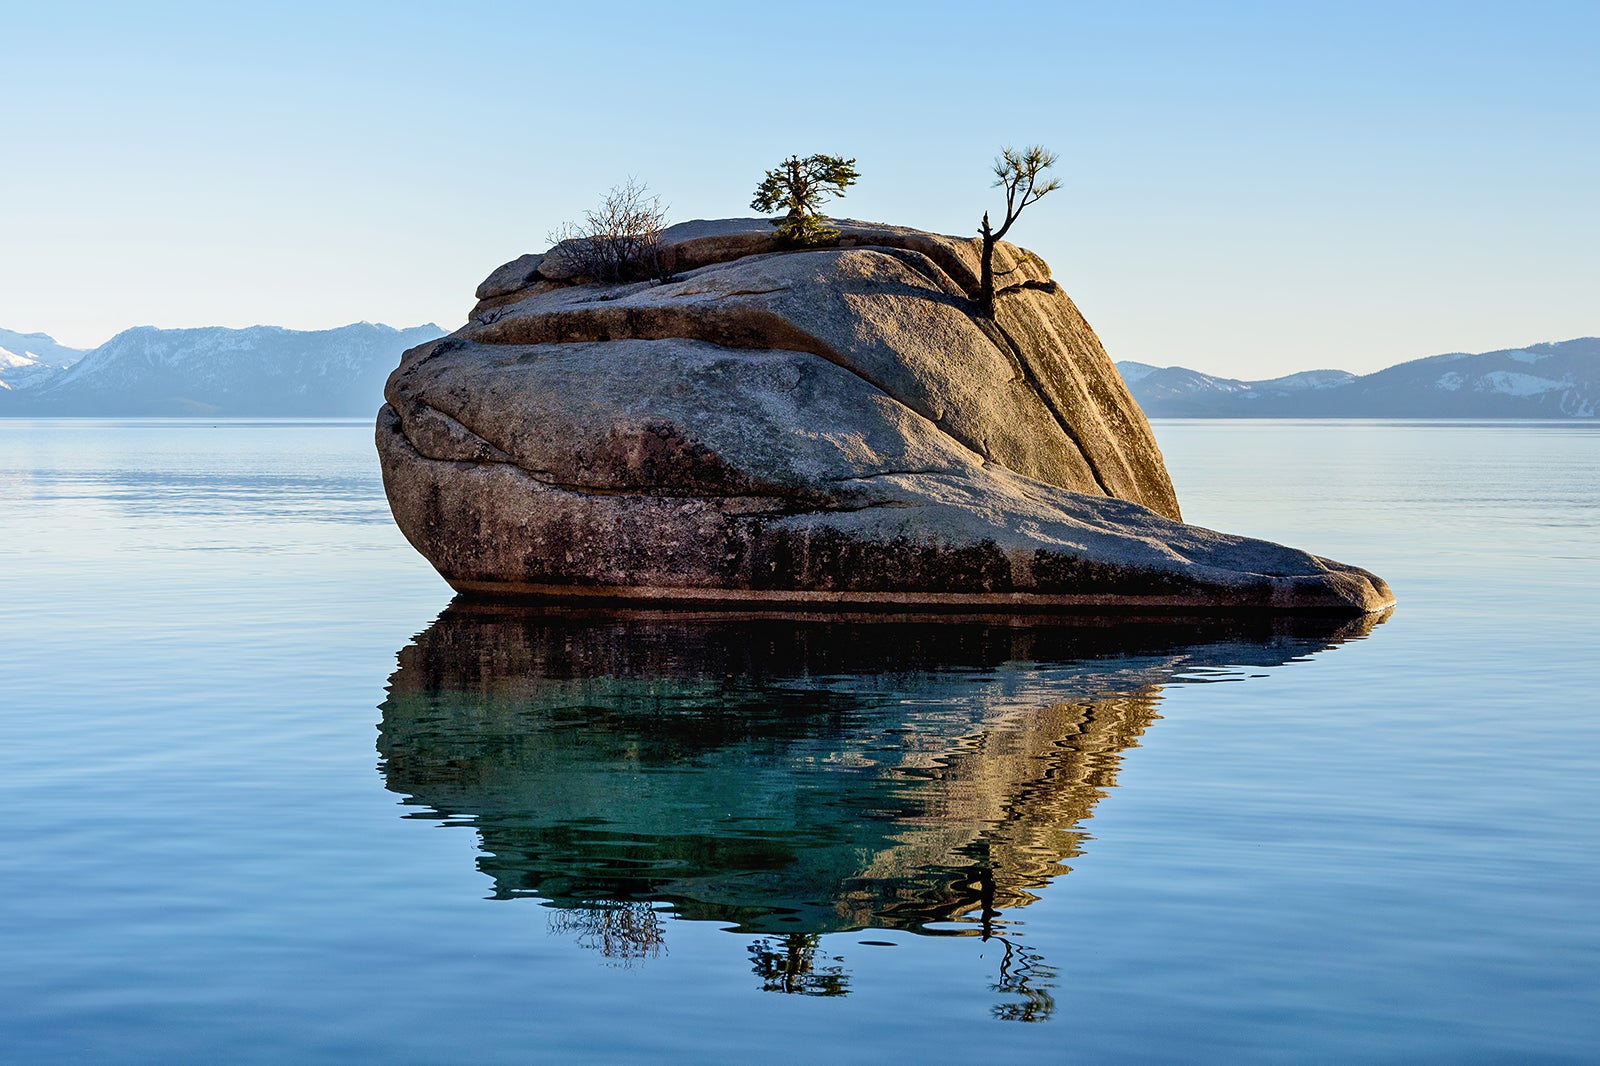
[[789, 964], [624, 932], [618, 242]]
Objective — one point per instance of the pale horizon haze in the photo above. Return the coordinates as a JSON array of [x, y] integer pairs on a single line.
[[1248, 189]]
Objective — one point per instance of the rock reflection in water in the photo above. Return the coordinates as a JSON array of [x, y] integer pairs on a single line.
[[790, 776]]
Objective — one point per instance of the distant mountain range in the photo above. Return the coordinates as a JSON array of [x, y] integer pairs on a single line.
[[1560, 380], [262, 371], [267, 371]]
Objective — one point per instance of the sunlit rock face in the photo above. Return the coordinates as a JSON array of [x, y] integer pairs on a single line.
[[788, 775], [835, 425]]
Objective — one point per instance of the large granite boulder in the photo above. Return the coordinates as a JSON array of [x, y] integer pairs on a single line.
[[836, 425]]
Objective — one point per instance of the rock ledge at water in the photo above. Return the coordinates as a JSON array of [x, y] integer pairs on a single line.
[[835, 426]]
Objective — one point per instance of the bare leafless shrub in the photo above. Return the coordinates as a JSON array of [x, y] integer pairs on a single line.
[[619, 241]]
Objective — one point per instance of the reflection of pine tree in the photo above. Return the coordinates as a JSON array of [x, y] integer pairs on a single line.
[[625, 932], [1023, 974], [789, 964]]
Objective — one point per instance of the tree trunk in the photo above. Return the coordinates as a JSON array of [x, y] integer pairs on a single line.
[[797, 187], [986, 278]]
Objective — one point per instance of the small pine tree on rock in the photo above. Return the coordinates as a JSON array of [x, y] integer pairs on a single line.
[[1021, 174], [801, 186]]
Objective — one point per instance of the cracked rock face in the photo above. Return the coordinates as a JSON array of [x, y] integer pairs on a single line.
[[833, 425]]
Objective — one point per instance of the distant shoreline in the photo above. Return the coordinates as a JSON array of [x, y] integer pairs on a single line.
[[1556, 381]]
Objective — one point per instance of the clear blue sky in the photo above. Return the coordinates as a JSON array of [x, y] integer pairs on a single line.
[[1249, 188]]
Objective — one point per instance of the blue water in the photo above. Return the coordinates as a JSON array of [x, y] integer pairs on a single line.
[[266, 799]]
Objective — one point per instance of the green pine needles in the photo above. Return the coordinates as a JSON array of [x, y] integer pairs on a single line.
[[801, 186]]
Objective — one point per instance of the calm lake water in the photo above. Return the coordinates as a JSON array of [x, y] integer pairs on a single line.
[[267, 799]]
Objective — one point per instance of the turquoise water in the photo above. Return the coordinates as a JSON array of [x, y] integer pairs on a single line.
[[267, 799]]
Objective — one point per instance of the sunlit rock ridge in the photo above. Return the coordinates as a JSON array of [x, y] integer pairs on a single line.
[[260, 371], [839, 425]]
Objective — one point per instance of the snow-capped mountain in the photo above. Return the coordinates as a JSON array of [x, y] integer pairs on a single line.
[[259, 371], [28, 360], [1558, 380]]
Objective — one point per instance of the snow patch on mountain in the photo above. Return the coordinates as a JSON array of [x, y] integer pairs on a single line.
[[1308, 379], [1514, 384], [28, 360]]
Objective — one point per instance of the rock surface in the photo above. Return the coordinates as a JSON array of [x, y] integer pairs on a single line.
[[832, 425]]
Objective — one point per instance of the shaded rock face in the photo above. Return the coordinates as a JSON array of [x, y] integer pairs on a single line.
[[829, 425]]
